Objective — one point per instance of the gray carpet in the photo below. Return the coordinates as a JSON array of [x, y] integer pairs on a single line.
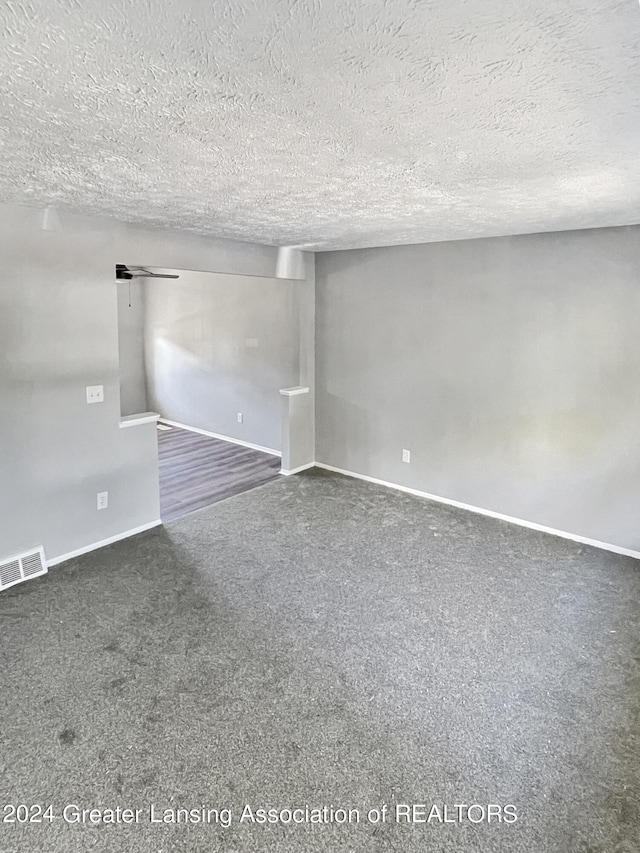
[[321, 641]]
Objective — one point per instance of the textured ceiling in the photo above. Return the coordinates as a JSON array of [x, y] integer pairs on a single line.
[[325, 123]]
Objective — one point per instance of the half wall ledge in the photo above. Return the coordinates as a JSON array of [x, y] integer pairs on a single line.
[[295, 389], [136, 420]]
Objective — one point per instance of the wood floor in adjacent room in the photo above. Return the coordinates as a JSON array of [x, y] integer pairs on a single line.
[[198, 470]]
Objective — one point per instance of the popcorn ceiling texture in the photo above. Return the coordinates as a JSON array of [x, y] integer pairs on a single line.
[[321, 123]]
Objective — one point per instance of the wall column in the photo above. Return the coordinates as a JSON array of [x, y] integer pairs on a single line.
[[297, 448]]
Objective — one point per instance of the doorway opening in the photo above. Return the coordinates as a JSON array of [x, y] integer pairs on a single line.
[[208, 352]]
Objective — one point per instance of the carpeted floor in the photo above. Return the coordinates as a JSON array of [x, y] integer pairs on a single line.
[[322, 641]]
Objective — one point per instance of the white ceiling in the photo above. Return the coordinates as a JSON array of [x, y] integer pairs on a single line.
[[325, 123]]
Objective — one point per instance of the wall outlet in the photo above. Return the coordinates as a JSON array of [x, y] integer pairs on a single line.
[[95, 393], [406, 456], [103, 500], [240, 416]]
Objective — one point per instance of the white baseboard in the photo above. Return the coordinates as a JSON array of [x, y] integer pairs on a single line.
[[297, 470], [95, 545], [594, 543], [248, 444]]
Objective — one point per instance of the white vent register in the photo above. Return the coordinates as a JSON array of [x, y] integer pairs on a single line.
[[23, 567]]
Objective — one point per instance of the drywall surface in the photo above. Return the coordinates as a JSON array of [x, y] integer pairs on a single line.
[[58, 334], [218, 345], [326, 124], [302, 412], [133, 389], [297, 447], [509, 367]]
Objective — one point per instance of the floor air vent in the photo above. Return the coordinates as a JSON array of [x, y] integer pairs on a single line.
[[22, 568]]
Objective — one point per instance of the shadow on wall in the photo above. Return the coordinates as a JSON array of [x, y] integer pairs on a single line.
[[351, 430], [217, 350], [185, 381]]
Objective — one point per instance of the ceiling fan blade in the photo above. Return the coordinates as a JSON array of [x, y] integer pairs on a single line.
[[152, 275], [124, 273]]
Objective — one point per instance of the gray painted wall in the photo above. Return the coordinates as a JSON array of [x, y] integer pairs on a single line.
[[133, 389], [509, 367], [58, 333], [216, 345], [298, 412]]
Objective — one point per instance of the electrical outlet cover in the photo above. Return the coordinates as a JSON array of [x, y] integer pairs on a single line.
[[95, 393]]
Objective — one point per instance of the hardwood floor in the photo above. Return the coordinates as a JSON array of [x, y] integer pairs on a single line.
[[197, 471]]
